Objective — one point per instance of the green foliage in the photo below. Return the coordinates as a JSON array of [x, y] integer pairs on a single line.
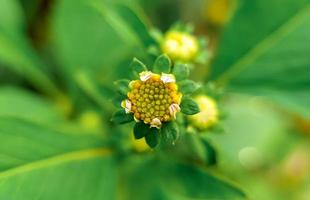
[[121, 117], [140, 130], [162, 64], [152, 137], [170, 133], [57, 139], [122, 86], [189, 106], [273, 61], [181, 71], [137, 67], [188, 86]]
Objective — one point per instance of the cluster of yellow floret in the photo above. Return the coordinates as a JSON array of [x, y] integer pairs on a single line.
[[153, 99]]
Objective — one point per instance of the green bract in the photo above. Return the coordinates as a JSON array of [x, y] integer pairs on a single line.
[[154, 100]]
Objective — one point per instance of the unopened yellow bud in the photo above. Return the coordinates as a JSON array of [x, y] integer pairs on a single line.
[[208, 115], [180, 46]]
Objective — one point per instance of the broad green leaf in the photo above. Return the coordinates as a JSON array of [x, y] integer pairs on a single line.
[[180, 181], [121, 117], [11, 16], [264, 50], [15, 102], [104, 43], [189, 106], [45, 164], [16, 52]]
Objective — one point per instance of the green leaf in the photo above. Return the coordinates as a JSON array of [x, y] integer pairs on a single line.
[[32, 152], [140, 130], [121, 117], [162, 64], [16, 52], [19, 103], [181, 182], [188, 86], [11, 16], [152, 137], [170, 132], [137, 67], [189, 106], [122, 86], [105, 32], [181, 71], [273, 61]]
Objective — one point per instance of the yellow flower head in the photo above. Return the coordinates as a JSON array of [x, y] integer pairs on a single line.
[[180, 46], [153, 99], [208, 115]]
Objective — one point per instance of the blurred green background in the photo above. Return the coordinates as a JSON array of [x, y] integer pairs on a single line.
[[58, 62]]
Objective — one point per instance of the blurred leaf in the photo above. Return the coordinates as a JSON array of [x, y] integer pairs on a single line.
[[45, 164], [11, 16], [104, 42], [273, 56], [15, 102], [168, 180], [16, 52]]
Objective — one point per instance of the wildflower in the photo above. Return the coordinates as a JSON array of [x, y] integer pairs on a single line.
[[208, 115], [153, 100], [150, 99]]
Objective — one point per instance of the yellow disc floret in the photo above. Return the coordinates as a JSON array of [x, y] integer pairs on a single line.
[[153, 99], [208, 115], [180, 46]]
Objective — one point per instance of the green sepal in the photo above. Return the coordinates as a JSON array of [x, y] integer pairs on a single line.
[[117, 100], [137, 67], [170, 132], [152, 137], [180, 71], [140, 130], [122, 86], [189, 106], [162, 64], [188, 86], [121, 117]]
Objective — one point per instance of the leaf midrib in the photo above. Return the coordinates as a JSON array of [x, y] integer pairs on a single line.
[[56, 160], [261, 47]]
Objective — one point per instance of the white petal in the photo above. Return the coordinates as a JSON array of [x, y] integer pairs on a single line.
[[167, 78], [144, 76], [173, 109], [156, 123], [127, 105]]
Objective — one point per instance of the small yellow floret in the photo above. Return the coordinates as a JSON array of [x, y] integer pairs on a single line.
[[150, 100]]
